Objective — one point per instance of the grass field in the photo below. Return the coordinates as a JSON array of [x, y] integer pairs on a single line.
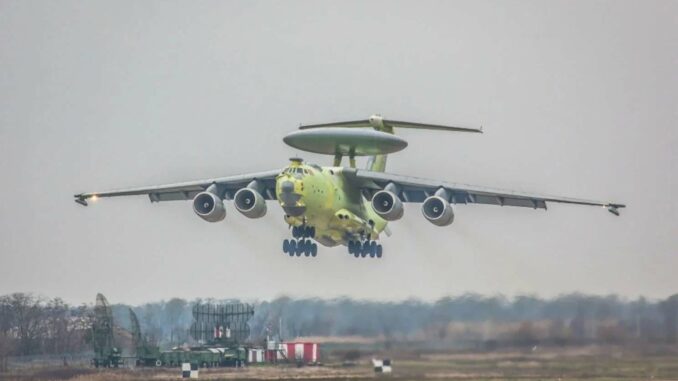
[[571, 364]]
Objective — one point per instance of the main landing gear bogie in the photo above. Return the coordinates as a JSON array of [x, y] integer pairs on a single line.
[[301, 245], [303, 231], [366, 248], [305, 247]]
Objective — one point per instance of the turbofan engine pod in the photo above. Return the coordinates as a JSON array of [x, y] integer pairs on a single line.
[[250, 203], [387, 205], [209, 207], [437, 211], [345, 141]]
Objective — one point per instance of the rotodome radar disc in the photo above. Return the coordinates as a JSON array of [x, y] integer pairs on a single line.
[[345, 141]]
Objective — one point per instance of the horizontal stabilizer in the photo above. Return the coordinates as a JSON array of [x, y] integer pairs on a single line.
[[379, 123]]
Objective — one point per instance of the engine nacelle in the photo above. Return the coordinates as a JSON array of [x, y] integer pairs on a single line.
[[209, 207], [437, 211], [387, 205], [250, 203]]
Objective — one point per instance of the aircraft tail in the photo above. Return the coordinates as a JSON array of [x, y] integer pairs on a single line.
[[377, 163]]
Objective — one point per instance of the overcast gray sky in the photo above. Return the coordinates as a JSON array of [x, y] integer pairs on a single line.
[[577, 98]]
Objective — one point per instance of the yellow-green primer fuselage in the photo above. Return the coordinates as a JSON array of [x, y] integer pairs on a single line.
[[322, 197]]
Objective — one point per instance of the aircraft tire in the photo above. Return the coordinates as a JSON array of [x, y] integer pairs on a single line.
[[365, 249], [379, 251], [307, 247], [373, 249], [300, 248], [295, 232], [351, 247], [286, 246], [314, 250], [292, 248]]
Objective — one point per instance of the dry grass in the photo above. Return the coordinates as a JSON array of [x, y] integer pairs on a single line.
[[593, 363]]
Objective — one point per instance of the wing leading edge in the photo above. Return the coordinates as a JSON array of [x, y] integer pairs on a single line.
[[413, 189], [225, 188]]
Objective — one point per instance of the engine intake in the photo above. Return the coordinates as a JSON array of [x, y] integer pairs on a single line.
[[437, 211], [387, 205], [209, 207], [250, 203]]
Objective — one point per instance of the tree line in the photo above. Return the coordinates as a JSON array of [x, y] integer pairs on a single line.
[[31, 325]]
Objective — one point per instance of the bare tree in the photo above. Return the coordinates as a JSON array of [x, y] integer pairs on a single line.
[[669, 308], [27, 320], [6, 341]]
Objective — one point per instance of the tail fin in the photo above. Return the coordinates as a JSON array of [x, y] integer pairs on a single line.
[[377, 163]]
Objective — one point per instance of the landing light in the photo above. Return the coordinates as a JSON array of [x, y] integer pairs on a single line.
[[94, 198]]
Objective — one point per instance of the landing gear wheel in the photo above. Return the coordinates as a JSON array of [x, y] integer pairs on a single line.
[[307, 247], [286, 246], [293, 248], [365, 249], [296, 231], [379, 251], [373, 249], [314, 250], [351, 247]]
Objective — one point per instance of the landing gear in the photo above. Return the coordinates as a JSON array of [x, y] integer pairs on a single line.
[[363, 249], [303, 231], [302, 245]]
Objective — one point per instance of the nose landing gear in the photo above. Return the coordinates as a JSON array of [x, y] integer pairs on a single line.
[[362, 249], [294, 247]]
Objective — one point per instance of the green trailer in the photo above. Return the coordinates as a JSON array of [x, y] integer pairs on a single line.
[[205, 357]]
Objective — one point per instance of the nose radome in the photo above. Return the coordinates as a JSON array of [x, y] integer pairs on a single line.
[[287, 187]]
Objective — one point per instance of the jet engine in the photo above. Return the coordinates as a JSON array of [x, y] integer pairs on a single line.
[[437, 211], [209, 207], [250, 203], [387, 205]]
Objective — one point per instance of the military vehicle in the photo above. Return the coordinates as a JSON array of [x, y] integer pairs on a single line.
[[221, 328]]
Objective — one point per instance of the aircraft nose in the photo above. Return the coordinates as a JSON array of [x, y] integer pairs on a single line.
[[287, 187]]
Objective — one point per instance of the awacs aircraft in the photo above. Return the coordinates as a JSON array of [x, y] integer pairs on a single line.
[[340, 205]]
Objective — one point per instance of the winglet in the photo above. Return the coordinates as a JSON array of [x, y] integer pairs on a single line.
[[80, 200], [614, 208]]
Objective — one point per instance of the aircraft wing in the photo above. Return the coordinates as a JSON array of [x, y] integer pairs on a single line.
[[413, 189], [225, 187]]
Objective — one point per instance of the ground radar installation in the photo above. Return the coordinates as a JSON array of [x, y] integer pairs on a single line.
[[340, 205]]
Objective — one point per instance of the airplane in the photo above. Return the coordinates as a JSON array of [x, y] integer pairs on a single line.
[[340, 205]]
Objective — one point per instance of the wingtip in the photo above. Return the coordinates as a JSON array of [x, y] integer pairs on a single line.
[[614, 208]]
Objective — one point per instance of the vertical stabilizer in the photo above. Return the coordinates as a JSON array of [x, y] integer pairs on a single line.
[[377, 163]]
